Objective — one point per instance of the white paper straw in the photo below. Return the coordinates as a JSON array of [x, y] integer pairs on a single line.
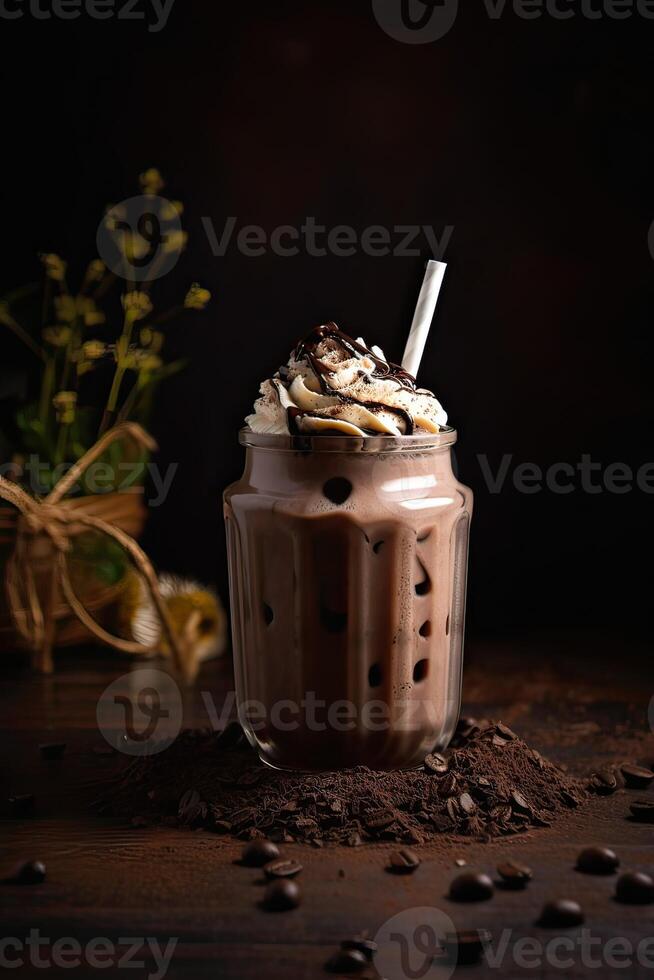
[[431, 287]]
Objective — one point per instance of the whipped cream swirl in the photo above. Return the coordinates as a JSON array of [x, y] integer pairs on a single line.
[[333, 383]]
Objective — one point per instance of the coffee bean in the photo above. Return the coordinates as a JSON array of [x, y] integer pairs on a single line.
[[467, 803], [282, 895], [642, 811], [346, 961], [403, 862], [191, 808], [282, 868], [466, 947], [514, 876], [598, 861], [259, 853], [380, 819], [52, 750], [26, 873], [471, 888], [562, 913], [436, 763], [365, 946], [22, 805], [634, 888], [603, 783], [636, 777], [519, 802]]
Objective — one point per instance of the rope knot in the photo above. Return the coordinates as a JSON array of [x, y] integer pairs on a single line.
[[50, 519]]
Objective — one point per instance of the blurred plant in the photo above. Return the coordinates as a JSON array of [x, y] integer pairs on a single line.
[[75, 338]]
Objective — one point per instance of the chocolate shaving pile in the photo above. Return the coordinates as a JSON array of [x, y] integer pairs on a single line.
[[489, 784]]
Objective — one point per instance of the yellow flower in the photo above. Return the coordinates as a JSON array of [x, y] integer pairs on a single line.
[[65, 403], [136, 304], [55, 267], [88, 354], [147, 362], [65, 308], [57, 336], [152, 339], [87, 309], [133, 247], [95, 271], [172, 210], [174, 241], [197, 298], [93, 350], [151, 181]]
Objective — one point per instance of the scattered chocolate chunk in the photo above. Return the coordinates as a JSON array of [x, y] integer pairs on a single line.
[[22, 805], [642, 811], [634, 888], [26, 873], [471, 888], [346, 961], [436, 763], [598, 861], [282, 868], [466, 947], [460, 863], [562, 913], [505, 732], [636, 777], [282, 895], [52, 750], [366, 947], [514, 876], [403, 862], [603, 783], [259, 853]]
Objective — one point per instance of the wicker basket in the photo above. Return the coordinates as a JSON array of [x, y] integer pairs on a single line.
[[124, 510]]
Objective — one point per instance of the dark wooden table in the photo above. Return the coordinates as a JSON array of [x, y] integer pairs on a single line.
[[109, 880]]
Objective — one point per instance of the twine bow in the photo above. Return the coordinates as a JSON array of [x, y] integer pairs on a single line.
[[50, 518]]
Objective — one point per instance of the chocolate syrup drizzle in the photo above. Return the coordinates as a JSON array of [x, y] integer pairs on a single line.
[[383, 369]]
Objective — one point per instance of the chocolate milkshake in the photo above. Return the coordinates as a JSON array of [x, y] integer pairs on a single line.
[[347, 539]]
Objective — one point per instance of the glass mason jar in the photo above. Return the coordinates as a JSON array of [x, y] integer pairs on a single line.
[[347, 564]]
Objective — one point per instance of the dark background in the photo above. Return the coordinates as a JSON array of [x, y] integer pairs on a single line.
[[531, 138]]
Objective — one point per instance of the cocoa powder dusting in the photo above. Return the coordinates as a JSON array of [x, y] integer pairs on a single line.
[[489, 784]]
